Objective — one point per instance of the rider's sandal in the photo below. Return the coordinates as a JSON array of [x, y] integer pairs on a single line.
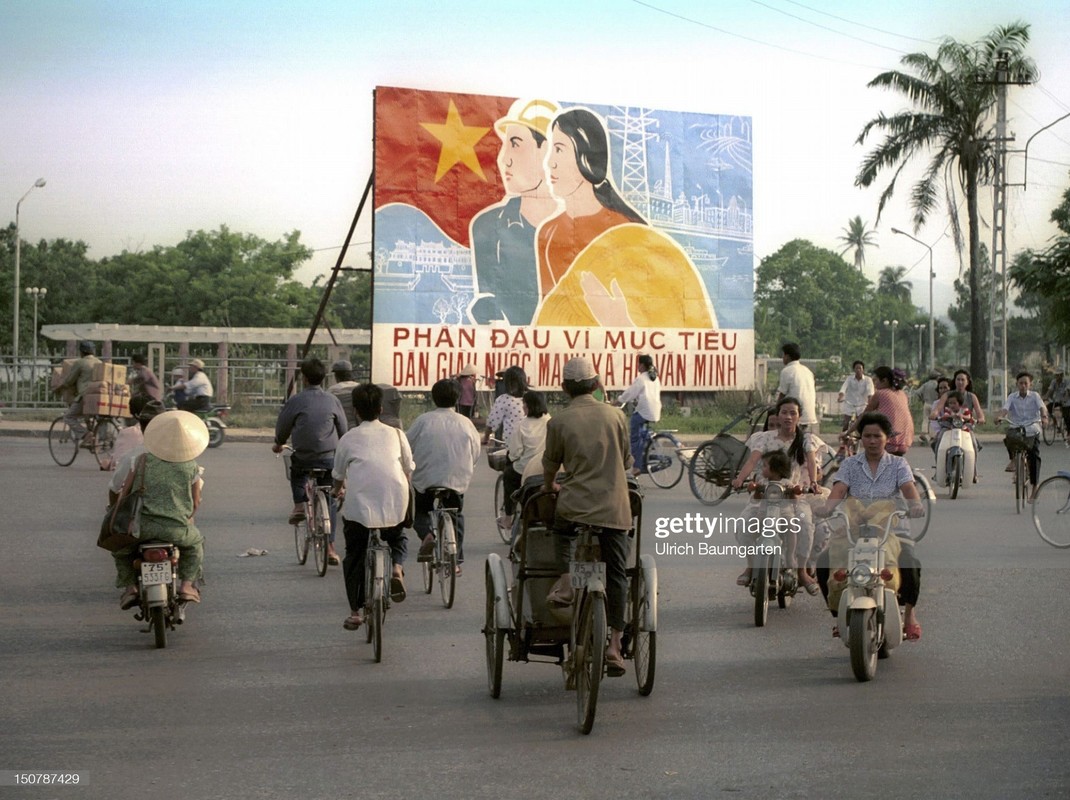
[[129, 598], [744, 579], [397, 589], [190, 595], [614, 665], [912, 632], [812, 588], [353, 622]]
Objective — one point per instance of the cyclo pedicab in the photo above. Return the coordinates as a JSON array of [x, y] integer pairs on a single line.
[[574, 636]]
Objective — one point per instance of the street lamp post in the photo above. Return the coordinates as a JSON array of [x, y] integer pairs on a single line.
[[37, 293], [919, 327], [15, 309], [893, 325], [932, 325]]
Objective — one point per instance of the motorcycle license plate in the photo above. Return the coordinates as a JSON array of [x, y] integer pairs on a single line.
[[155, 573], [581, 571]]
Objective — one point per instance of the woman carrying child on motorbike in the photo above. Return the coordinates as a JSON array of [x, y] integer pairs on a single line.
[[801, 449]]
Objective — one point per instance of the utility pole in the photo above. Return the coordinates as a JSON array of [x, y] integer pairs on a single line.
[[997, 307]]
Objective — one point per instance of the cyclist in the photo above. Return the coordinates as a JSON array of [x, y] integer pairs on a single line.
[[646, 392], [524, 446], [197, 388], [77, 381], [143, 381], [590, 440], [343, 387], [508, 408], [1059, 398], [445, 446], [372, 466], [315, 421], [1025, 408], [855, 393], [796, 380]]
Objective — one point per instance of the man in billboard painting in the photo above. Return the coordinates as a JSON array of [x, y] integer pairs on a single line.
[[503, 235], [600, 263]]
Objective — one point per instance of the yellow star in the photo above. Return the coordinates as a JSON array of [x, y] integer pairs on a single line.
[[458, 143]]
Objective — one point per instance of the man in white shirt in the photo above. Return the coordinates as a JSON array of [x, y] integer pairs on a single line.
[[446, 447], [646, 392], [197, 387], [797, 381], [1025, 409], [855, 393]]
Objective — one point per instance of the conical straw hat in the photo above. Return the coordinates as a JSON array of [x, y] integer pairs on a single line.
[[176, 436]]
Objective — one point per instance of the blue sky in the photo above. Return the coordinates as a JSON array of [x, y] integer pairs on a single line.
[[149, 119]]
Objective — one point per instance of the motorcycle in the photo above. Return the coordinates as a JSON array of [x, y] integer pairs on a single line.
[[772, 580], [955, 458], [214, 419], [870, 623], [156, 567]]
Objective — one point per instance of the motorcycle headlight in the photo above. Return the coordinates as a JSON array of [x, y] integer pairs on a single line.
[[863, 575]]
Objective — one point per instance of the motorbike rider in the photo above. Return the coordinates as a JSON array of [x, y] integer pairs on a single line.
[[197, 388], [953, 409], [172, 494], [590, 440], [875, 474], [315, 421]]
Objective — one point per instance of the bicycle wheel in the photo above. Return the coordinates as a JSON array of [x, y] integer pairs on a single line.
[[760, 587], [301, 542], [61, 443], [954, 475], [504, 533], [104, 442], [709, 473], [1019, 482], [919, 526], [1051, 511], [644, 643], [321, 533], [662, 465], [1048, 431], [428, 571], [589, 660], [495, 641], [376, 629], [447, 564]]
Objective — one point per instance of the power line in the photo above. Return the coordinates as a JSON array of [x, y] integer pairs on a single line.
[[751, 39], [826, 28], [861, 25]]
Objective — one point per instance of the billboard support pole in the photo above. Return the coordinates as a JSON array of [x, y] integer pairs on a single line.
[[331, 280]]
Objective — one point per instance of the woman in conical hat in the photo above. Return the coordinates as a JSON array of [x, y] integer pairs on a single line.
[[172, 478]]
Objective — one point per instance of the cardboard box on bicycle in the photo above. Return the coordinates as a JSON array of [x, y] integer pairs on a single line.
[[105, 404], [60, 373], [108, 372]]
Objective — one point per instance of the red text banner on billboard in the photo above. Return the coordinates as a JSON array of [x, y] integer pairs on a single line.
[[530, 230]]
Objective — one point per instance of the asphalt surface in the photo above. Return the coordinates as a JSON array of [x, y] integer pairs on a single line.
[[262, 694]]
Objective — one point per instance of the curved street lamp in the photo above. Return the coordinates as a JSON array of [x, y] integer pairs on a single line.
[[932, 326], [15, 309]]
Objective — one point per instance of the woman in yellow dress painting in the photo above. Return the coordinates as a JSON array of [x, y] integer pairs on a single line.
[[600, 263]]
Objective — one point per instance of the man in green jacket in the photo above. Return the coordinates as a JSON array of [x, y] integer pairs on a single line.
[[78, 379]]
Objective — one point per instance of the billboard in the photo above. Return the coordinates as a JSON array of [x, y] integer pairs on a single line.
[[530, 230]]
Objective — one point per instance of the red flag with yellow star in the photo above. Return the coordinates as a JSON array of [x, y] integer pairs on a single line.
[[436, 151]]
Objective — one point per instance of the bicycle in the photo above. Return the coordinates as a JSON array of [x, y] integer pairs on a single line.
[[99, 437], [1055, 429], [498, 461], [314, 530], [665, 457], [717, 460], [377, 564], [1020, 443], [443, 561], [589, 629], [1051, 510]]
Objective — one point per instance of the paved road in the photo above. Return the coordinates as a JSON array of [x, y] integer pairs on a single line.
[[264, 695]]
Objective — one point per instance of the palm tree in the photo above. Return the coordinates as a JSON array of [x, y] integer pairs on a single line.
[[857, 238], [891, 284], [953, 95]]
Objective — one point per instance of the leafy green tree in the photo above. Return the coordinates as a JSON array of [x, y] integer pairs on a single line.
[[856, 238], [891, 283], [1045, 277], [951, 126]]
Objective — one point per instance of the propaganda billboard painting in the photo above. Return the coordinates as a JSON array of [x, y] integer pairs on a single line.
[[529, 230]]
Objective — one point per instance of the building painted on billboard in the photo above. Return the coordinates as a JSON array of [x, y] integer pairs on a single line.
[[530, 230]]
